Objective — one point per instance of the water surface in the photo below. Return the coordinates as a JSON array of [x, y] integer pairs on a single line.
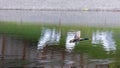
[[97, 53]]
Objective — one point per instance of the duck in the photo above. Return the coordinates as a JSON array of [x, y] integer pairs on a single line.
[[77, 38]]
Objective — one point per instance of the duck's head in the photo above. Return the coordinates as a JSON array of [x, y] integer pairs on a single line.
[[86, 38]]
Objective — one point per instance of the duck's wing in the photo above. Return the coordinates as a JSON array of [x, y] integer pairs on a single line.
[[77, 35]]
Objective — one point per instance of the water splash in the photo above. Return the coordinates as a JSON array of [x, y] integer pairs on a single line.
[[48, 37], [70, 46], [104, 38]]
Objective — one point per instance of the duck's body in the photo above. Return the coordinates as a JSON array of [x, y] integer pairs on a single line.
[[77, 38]]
